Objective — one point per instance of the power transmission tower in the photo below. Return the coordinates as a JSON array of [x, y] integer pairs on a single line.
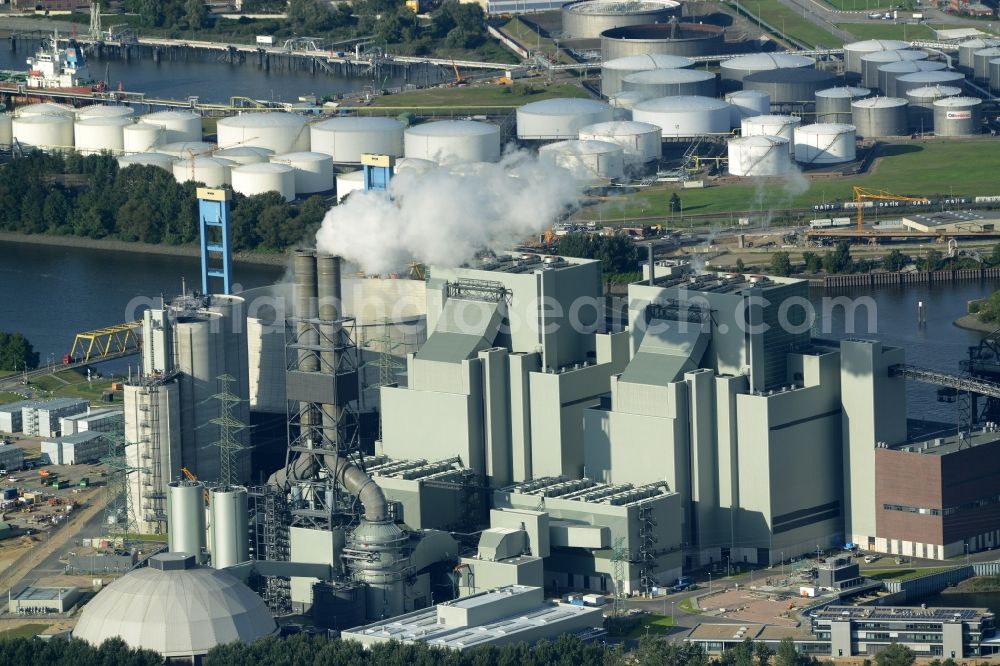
[[618, 560], [229, 426], [119, 512]]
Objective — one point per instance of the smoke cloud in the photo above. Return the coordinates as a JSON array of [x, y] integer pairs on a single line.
[[446, 215]]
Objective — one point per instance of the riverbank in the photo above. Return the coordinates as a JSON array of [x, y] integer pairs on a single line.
[[112, 245], [975, 585], [970, 322]]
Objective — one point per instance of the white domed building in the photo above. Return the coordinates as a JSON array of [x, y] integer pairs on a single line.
[[176, 608]]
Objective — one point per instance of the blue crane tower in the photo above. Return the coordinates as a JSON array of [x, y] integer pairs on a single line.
[[216, 238], [378, 171]]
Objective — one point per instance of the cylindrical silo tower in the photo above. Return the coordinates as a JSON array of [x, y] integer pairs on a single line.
[[230, 517], [967, 50], [872, 61], [746, 104], [251, 179], [211, 171], [759, 156], [560, 118], [671, 82], [277, 131], [981, 62], [346, 139], [104, 111], [854, 51], [891, 71], [614, 71], [796, 86], [825, 143], [736, 69], [782, 126], [907, 82], [48, 133], [685, 116], [833, 105], [96, 134], [640, 141], [880, 116], [450, 141], [165, 162], [142, 137], [6, 129], [187, 149], [958, 116], [245, 154], [672, 38], [186, 519], [921, 108], [995, 75], [313, 171], [587, 19], [179, 125], [587, 160]]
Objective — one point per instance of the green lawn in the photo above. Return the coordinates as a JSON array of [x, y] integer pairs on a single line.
[[71, 384], [687, 605], [657, 625], [24, 631], [914, 168], [888, 30], [790, 22], [470, 98], [528, 36], [6, 397], [868, 5], [903, 574]]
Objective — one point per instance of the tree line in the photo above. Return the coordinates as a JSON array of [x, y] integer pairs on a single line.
[[839, 260], [89, 196]]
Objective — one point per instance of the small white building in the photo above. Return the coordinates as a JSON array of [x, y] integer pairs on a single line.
[[43, 600], [41, 418], [97, 420], [81, 447], [11, 457], [10, 415]]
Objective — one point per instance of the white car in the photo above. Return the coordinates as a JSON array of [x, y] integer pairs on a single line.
[[871, 558]]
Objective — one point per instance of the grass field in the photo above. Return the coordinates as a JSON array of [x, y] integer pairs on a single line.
[[870, 5], [888, 30], [903, 574], [468, 98], [70, 384], [790, 22], [24, 631], [528, 36], [6, 397], [917, 168], [653, 625], [688, 606]]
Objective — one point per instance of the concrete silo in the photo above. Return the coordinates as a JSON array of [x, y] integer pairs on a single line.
[[587, 19], [825, 143], [251, 179], [613, 71], [346, 139], [685, 116], [958, 116], [833, 105], [230, 517], [559, 118], [453, 141], [277, 131]]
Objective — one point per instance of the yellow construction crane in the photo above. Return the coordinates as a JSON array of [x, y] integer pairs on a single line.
[[862, 194], [191, 477]]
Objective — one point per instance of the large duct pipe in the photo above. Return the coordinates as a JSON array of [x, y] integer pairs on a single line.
[[652, 277], [328, 298], [305, 308]]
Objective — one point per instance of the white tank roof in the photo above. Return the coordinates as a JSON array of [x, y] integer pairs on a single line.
[[669, 76], [827, 128], [448, 128], [301, 157], [619, 128], [563, 105], [359, 124], [415, 164], [105, 121], [578, 147], [186, 148], [176, 608], [771, 119], [872, 45], [245, 154], [170, 115], [44, 109], [165, 162], [763, 61], [682, 103], [934, 92], [844, 91], [879, 102], [105, 111], [648, 61], [958, 102], [748, 94], [895, 56], [263, 120], [760, 140]]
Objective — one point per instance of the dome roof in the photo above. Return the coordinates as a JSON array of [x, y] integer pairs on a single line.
[[176, 608]]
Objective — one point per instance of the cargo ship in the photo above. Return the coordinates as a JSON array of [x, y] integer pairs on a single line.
[[53, 69]]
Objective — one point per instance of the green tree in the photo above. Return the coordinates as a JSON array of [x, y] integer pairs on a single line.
[[195, 14], [813, 262], [933, 261], [894, 261], [675, 203], [740, 266], [989, 310], [16, 353], [781, 265], [786, 654], [994, 258], [895, 655], [839, 260], [309, 17]]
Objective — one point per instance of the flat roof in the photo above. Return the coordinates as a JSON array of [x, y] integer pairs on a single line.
[[527, 262], [43, 593], [725, 632], [942, 218], [17, 406], [722, 283], [95, 414], [56, 403], [76, 438], [947, 444], [588, 490], [901, 613]]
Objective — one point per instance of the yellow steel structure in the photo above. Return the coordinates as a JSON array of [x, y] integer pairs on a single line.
[[110, 342], [862, 194]]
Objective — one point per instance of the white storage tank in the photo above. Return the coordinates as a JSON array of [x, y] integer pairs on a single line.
[[747, 103], [737, 68], [921, 105], [623, 102], [165, 162], [995, 75], [347, 139], [245, 154], [313, 171], [587, 160], [613, 72], [6, 129], [352, 181], [759, 156], [967, 52], [957, 116], [212, 171], [261, 177], [772, 125], [825, 143], [833, 105], [891, 71], [100, 133], [670, 82], [44, 109], [981, 62], [559, 118], [278, 131], [43, 132], [871, 62], [908, 82], [453, 141], [179, 125], [142, 137], [854, 51], [187, 149], [413, 165], [230, 521], [104, 111], [587, 19], [880, 116], [640, 141], [685, 116]]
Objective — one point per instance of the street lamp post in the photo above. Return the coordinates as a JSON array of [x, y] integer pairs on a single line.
[[673, 621], [966, 544], [710, 581], [782, 564]]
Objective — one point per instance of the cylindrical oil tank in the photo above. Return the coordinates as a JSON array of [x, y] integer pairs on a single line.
[[313, 171], [187, 149], [746, 104], [99, 133], [907, 82], [995, 75], [685, 116], [587, 19], [981, 62], [890, 71], [783, 126], [346, 139], [251, 179], [559, 118], [736, 69], [142, 137], [673, 38], [825, 143], [278, 131], [613, 72], [872, 61], [833, 105], [623, 102], [759, 156], [43, 132], [212, 171], [854, 51], [640, 141], [165, 162], [352, 181], [105, 111], [453, 141], [587, 160], [879, 116], [186, 519], [671, 82], [230, 516], [790, 86], [414, 165], [957, 116], [44, 109], [179, 125], [6, 129], [967, 51], [921, 108], [245, 154]]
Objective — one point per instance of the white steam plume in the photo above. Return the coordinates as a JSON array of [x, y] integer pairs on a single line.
[[446, 215]]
